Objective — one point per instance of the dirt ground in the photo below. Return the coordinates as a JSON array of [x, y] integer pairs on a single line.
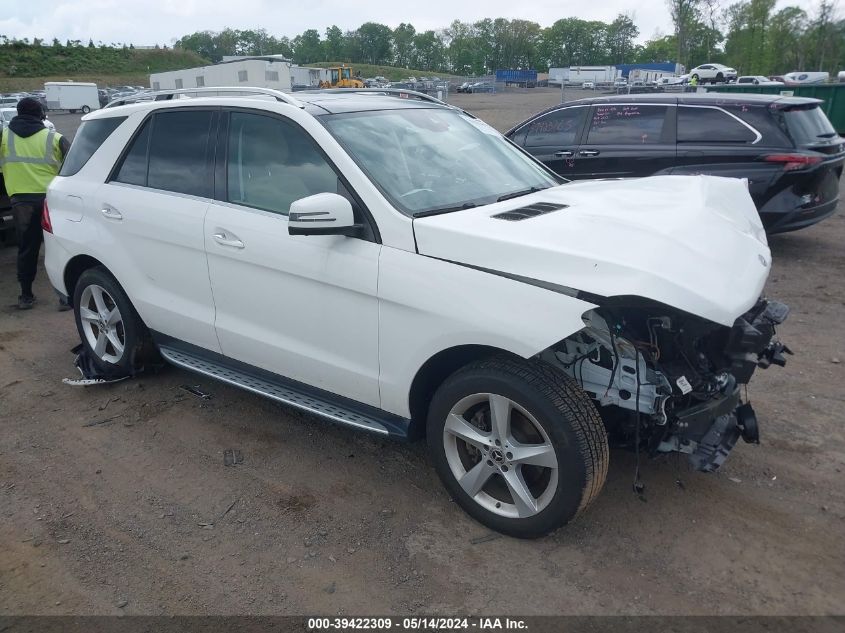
[[116, 499]]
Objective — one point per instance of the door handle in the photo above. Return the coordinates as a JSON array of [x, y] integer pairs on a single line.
[[564, 153], [225, 239], [112, 214], [589, 152]]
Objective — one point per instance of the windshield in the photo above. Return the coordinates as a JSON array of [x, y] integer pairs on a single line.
[[808, 125], [436, 160]]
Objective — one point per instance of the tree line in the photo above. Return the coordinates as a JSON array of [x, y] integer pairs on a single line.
[[749, 35]]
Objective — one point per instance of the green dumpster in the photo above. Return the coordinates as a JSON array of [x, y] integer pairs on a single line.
[[833, 96]]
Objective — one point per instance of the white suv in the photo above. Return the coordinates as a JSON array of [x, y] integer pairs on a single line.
[[396, 265]]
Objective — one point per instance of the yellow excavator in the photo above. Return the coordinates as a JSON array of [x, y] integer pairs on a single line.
[[341, 77]]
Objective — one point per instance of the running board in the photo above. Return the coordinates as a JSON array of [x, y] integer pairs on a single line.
[[341, 410]]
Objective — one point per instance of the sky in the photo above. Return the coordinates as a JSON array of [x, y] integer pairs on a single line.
[[147, 22]]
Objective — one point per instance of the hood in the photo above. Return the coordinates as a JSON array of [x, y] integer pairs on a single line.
[[25, 125], [695, 243]]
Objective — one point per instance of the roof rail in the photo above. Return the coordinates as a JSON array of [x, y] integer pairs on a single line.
[[380, 91], [167, 95]]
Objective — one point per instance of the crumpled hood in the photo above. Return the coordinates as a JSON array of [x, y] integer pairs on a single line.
[[695, 243]]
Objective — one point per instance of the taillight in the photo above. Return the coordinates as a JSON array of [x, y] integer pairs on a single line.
[[46, 224], [792, 162]]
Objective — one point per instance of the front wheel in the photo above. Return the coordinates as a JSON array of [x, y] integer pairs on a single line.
[[518, 445]]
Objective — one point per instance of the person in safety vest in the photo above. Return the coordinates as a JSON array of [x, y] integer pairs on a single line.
[[30, 156]]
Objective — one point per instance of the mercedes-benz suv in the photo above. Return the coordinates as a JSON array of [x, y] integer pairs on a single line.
[[397, 266]]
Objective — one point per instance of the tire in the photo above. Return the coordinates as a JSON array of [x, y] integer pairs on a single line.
[[125, 339], [720, 78], [546, 409], [85, 109]]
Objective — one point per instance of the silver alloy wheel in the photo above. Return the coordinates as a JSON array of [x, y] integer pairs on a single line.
[[102, 324], [486, 440]]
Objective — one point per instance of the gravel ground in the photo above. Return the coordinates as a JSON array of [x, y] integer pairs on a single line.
[[116, 499]]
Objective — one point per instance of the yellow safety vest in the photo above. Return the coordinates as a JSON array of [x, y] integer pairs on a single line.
[[29, 164]]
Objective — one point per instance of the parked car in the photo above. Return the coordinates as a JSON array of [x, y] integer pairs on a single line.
[[464, 87], [482, 86], [411, 273], [7, 114], [785, 146], [713, 73], [589, 85], [758, 80], [620, 83]]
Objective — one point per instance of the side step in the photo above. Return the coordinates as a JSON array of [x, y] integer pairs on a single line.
[[323, 404]]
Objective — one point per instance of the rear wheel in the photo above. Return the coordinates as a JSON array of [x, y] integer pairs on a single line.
[[518, 445], [85, 109], [111, 330]]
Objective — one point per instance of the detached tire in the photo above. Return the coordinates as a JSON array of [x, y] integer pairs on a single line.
[[113, 334], [518, 445]]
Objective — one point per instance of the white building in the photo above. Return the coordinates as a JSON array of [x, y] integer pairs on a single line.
[[263, 72]]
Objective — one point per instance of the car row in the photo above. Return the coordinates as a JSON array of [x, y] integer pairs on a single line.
[[784, 147]]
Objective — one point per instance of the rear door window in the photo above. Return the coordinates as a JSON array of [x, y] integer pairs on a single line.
[[171, 153], [711, 125], [179, 144], [631, 124], [561, 127], [88, 139]]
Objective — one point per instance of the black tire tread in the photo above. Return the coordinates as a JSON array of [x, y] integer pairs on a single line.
[[565, 394]]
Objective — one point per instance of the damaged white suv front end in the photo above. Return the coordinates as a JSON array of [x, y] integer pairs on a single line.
[[675, 267]]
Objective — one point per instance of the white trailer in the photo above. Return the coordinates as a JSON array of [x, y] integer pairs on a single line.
[[577, 75], [72, 96]]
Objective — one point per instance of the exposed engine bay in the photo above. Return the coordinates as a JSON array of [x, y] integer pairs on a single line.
[[668, 381]]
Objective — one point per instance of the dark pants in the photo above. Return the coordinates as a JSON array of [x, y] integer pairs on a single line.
[[28, 227]]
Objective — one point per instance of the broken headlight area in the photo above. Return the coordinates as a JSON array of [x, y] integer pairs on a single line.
[[666, 381]]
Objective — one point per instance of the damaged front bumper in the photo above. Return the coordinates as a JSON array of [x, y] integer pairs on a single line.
[[708, 431], [666, 381]]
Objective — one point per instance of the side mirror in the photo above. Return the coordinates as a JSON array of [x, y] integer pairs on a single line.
[[322, 214]]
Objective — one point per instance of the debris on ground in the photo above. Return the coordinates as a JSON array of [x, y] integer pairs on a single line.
[[484, 539], [232, 457], [196, 391], [103, 421]]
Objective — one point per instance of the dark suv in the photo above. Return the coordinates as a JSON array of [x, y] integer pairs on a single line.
[[785, 146]]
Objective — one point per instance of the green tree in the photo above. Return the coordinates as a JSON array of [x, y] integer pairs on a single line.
[[620, 36], [403, 44], [308, 48], [376, 42], [334, 44]]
